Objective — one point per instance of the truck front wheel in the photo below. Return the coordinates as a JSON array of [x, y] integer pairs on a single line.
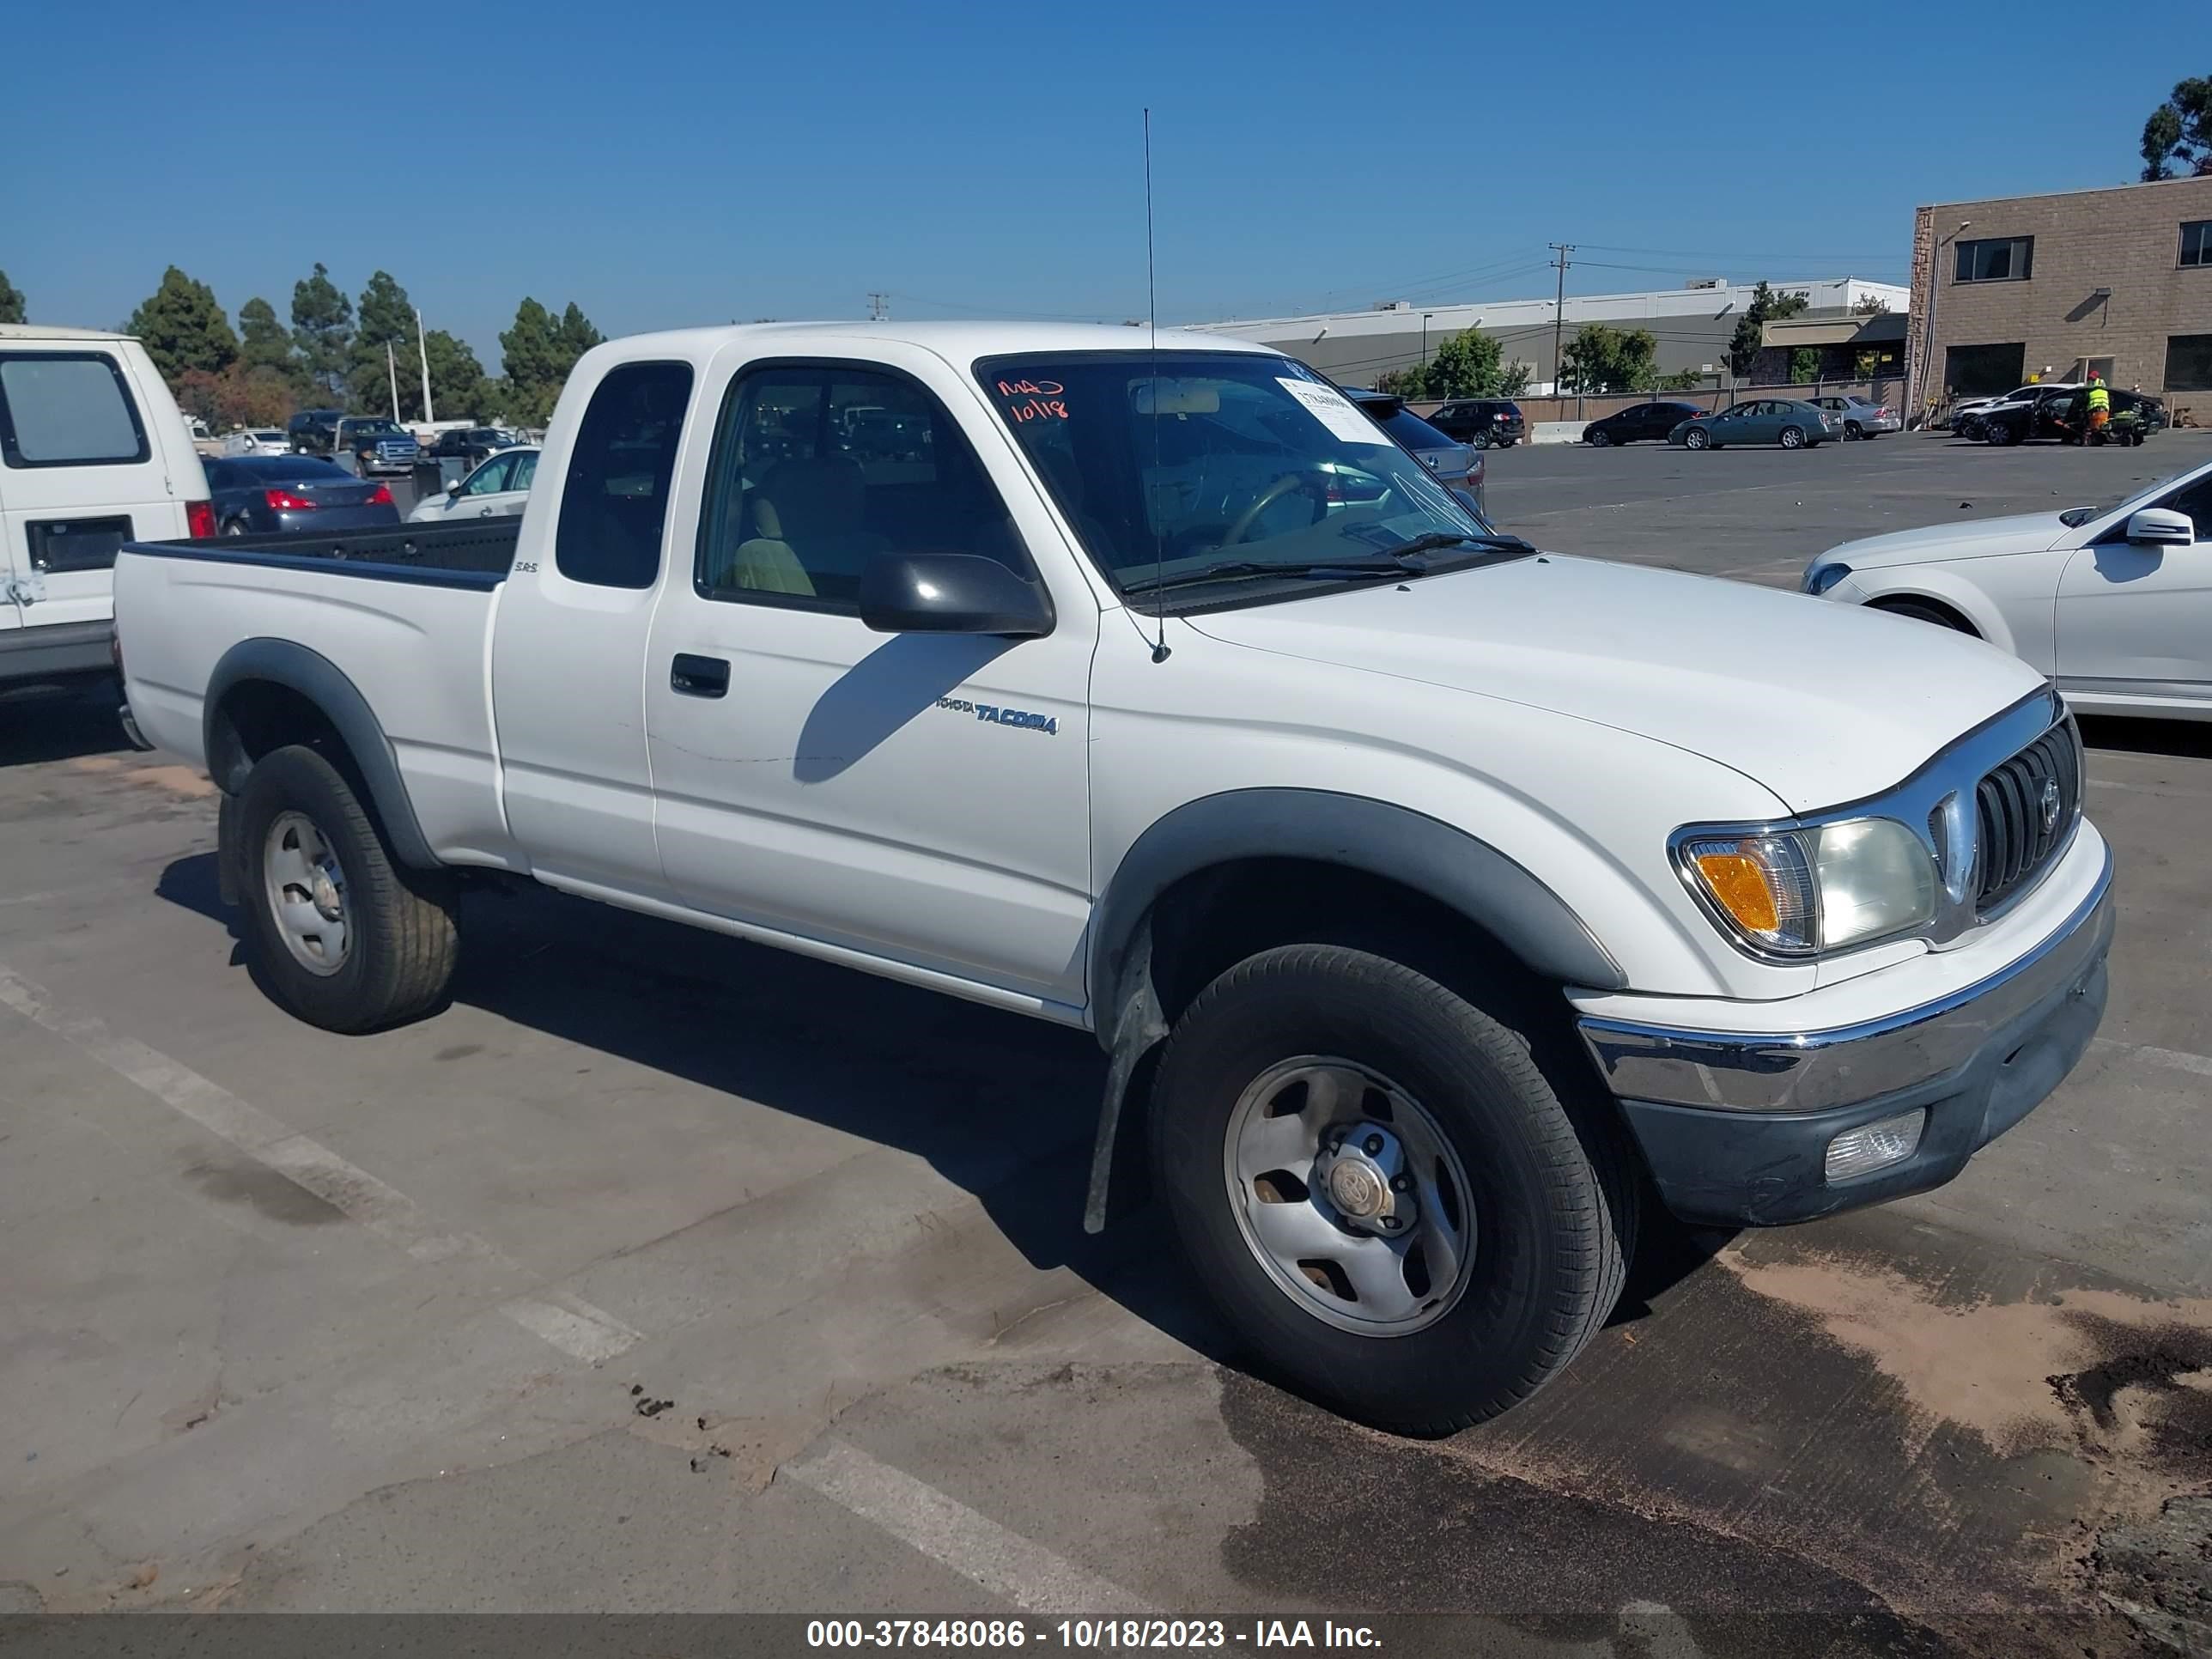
[[1383, 1191], [340, 935]]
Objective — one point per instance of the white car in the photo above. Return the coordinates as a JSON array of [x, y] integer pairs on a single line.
[[1458, 890], [263, 440], [2114, 603], [497, 488]]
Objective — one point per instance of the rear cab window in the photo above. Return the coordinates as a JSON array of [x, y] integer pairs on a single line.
[[614, 502], [68, 408]]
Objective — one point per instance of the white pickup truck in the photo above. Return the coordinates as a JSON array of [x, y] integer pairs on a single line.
[[1437, 901]]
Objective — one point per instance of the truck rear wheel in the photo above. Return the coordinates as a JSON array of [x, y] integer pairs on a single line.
[[1383, 1191], [342, 936]]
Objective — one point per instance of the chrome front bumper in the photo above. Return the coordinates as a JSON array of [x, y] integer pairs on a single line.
[[1813, 1071], [1734, 1127]]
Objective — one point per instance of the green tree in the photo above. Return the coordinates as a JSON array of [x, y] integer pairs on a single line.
[[457, 378], [1602, 358], [1804, 365], [1467, 365], [263, 342], [1870, 304], [385, 317], [322, 329], [1765, 306], [11, 302], [1403, 382], [537, 354], [2177, 137], [183, 328]]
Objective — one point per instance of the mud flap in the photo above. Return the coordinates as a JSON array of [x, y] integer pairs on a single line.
[[227, 851], [1138, 1033]]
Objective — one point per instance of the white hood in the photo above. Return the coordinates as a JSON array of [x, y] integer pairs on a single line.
[[1823, 704], [1971, 538]]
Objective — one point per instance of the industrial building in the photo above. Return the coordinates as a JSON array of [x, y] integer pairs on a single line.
[[1693, 325], [2051, 287]]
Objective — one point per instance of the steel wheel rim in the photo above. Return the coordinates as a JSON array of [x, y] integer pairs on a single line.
[[1302, 1200], [306, 891]]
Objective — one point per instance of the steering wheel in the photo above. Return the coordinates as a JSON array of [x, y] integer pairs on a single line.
[[1273, 493]]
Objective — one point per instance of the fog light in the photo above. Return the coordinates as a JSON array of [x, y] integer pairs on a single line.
[[1875, 1146]]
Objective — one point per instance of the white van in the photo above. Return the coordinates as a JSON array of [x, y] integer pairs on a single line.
[[93, 453]]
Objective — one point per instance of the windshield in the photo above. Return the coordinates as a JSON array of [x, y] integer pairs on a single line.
[[1168, 466], [376, 428], [2074, 518]]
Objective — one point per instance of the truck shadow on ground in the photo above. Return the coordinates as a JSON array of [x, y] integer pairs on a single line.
[[1003, 1107], [42, 724], [2192, 738]]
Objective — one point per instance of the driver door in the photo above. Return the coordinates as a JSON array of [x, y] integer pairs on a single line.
[[2137, 619]]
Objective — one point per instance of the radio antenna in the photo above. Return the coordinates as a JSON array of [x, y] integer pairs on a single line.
[[1151, 509]]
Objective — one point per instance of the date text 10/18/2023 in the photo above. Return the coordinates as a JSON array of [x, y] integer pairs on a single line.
[[1087, 1634]]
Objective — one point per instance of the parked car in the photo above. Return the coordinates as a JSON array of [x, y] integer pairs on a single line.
[[1858, 417], [2062, 416], [1966, 416], [2115, 602], [1460, 893], [1782, 421], [260, 440], [262, 494], [1459, 467], [1485, 422], [314, 431], [501, 485], [373, 444], [472, 444], [1639, 422], [93, 452]]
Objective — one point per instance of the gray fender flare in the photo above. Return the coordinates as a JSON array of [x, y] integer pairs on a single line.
[[1373, 837], [321, 681]]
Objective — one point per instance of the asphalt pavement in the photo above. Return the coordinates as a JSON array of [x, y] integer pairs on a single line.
[[662, 1274]]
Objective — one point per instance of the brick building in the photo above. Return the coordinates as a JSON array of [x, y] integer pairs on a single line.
[[2051, 287]]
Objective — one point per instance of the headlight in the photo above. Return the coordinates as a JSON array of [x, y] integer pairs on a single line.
[[1819, 578], [1801, 892]]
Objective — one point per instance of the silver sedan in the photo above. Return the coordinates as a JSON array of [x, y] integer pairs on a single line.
[[1858, 417]]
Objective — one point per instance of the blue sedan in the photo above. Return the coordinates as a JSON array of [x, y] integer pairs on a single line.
[[1759, 421]]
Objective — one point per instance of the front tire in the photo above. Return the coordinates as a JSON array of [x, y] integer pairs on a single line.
[[1312, 1082], [1601, 440], [1695, 438], [1997, 435], [340, 935]]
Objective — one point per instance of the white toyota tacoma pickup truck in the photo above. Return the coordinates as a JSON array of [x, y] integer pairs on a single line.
[[1437, 901]]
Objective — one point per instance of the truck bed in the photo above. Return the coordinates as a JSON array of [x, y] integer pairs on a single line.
[[402, 613], [473, 554]]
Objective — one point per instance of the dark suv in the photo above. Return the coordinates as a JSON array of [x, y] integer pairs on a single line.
[[313, 431], [1485, 422]]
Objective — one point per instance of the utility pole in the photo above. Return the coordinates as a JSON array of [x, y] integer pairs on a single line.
[[879, 308], [422, 350], [391, 373], [1559, 308]]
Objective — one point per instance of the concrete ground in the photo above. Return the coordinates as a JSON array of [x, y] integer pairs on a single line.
[[661, 1272]]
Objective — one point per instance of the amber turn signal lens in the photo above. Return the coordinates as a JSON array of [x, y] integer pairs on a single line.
[[1739, 882]]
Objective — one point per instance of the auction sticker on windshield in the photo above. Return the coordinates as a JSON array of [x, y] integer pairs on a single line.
[[1335, 411]]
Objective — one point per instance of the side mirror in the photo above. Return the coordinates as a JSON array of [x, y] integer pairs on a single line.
[[455, 487], [2155, 526], [950, 593]]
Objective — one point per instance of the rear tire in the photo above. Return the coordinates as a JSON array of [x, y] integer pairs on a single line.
[[342, 936], [1853, 431], [1546, 1218], [1793, 437], [1481, 440]]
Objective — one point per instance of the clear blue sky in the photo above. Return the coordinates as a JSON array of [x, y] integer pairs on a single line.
[[698, 163]]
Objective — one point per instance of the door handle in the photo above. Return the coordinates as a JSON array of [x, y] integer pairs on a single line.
[[698, 677], [484, 513]]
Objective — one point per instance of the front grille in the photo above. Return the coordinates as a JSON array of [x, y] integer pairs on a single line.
[[2016, 844]]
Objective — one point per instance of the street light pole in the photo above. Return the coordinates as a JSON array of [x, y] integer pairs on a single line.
[[1425, 337], [422, 350]]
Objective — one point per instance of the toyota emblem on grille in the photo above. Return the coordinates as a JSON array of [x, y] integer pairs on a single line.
[[2051, 803]]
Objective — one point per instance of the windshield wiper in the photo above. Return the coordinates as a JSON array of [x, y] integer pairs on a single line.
[[1435, 540], [1398, 564]]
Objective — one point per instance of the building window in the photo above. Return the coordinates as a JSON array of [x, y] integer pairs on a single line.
[[1982, 370], [2196, 243], [2002, 259], [2189, 362]]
